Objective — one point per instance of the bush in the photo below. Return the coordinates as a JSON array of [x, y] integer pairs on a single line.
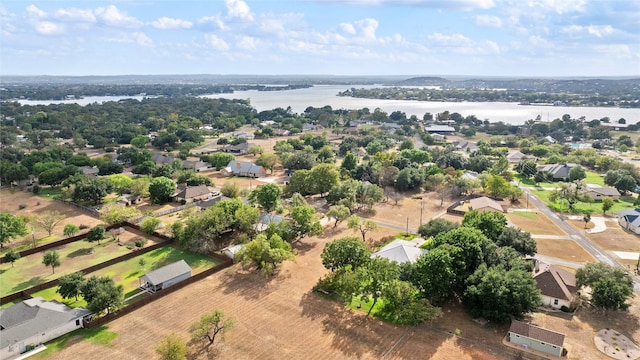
[[36, 189], [565, 308], [139, 243], [83, 226], [22, 206]]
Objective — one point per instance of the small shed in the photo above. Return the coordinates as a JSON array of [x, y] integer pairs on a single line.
[[536, 338], [232, 250], [165, 276]]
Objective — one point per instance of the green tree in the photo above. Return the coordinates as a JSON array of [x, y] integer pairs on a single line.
[[527, 168], [611, 286], [497, 294], [607, 204], [265, 254], [96, 233], [11, 226], [343, 252], [304, 222], [11, 256], [114, 213], [323, 177], [471, 242], [161, 189], [350, 162], [140, 186], [210, 326], [409, 179], [219, 159], [356, 223], [491, 223], [497, 186], [434, 273], [577, 173], [406, 144], [435, 227], [266, 196], [404, 306], [103, 294], [268, 161], [339, 212], [172, 347], [140, 141], [254, 150], [70, 230], [91, 190], [70, 285], [51, 258], [149, 224], [120, 182], [230, 190], [519, 240], [374, 278], [440, 184]]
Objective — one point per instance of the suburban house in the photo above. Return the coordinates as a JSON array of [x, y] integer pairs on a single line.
[[517, 156], [244, 135], [265, 219], [231, 251], [311, 127], [212, 199], [556, 285], [630, 220], [197, 166], [401, 251], [440, 129], [597, 192], [485, 204], [192, 194], [243, 168], [536, 338], [281, 132], [558, 171], [238, 149], [129, 199], [89, 170], [165, 276], [33, 322], [438, 137], [160, 160], [550, 139], [465, 145]]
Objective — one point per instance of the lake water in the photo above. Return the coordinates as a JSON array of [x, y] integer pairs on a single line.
[[321, 95]]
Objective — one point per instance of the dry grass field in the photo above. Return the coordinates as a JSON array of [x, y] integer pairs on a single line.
[[563, 249], [536, 223]]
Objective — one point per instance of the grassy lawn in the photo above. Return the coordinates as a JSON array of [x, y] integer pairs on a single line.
[[126, 273], [99, 335], [29, 271], [592, 178], [29, 245], [359, 305], [625, 202], [50, 192], [527, 214]]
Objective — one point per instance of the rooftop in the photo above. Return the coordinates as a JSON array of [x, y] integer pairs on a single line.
[[538, 333]]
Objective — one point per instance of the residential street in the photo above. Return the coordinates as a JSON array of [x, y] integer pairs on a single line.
[[577, 235]]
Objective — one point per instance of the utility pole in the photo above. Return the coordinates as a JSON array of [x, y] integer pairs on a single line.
[[407, 225], [421, 207]]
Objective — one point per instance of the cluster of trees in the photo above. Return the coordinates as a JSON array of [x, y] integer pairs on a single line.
[[611, 286], [100, 293]]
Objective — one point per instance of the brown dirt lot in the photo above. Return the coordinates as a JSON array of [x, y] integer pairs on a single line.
[[536, 223], [281, 318], [614, 238], [563, 249], [396, 215]]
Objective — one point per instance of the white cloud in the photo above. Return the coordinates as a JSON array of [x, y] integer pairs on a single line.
[[595, 30], [559, 6], [348, 28], [49, 28], [239, 9], [537, 40], [488, 20], [34, 11], [247, 43], [460, 44], [142, 39], [618, 51], [213, 19], [216, 42], [368, 28], [438, 4], [112, 16], [74, 14], [166, 23]]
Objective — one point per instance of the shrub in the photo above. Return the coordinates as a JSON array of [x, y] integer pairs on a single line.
[[83, 226], [36, 189], [564, 308], [22, 206], [139, 243]]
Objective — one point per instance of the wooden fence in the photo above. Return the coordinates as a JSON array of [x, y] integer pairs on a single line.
[[87, 209]]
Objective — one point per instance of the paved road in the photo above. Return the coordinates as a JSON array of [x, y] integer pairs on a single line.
[[578, 237], [556, 261]]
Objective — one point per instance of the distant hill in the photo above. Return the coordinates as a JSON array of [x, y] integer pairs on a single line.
[[424, 81]]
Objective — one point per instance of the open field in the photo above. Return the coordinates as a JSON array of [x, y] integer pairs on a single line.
[[126, 273], [563, 249], [536, 223], [29, 271], [34, 205], [592, 178], [396, 215]]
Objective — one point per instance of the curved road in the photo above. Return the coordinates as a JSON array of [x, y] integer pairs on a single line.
[[578, 237]]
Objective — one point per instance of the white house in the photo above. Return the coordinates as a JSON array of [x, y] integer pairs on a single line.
[[536, 338], [401, 251], [34, 322], [556, 285], [630, 220]]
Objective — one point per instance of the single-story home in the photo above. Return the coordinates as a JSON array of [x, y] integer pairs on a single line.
[[311, 127], [558, 171], [243, 168], [265, 219], [35, 321], [517, 156], [465, 145], [244, 135], [238, 149], [89, 170], [165, 276], [630, 220], [129, 199], [557, 286], [213, 198], [281, 132], [401, 251], [197, 166], [485, 204], [597, 192], [550, 139], [536, 338], [192, 194], [440, 129], [438, 137], [160, 159]]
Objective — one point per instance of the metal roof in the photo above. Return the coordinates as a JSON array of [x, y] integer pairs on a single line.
[[168, 272]]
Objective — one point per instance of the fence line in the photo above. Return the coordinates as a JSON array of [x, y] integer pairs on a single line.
[[87, 209]]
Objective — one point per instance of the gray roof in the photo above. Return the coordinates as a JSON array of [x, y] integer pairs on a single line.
[[244, 167], [168, 272], [401, 251], [239, 147], [193, 191], [607, 191], [538, 333], [439, 128], [559, 171], [160, 159], [34, 316]]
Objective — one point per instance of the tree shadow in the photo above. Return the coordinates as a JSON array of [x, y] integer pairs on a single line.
[[625, 322], [250, 284], [80, 252], [29, 283], [303, 247]]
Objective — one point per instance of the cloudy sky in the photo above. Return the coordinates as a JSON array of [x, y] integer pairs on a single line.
[[359, 37]]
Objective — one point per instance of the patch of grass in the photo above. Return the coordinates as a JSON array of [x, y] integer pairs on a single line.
[[359, 305], [625, 202], [99, 335], [405, 236], [52, 294], [50, 192], [527, 214], [594, 178]]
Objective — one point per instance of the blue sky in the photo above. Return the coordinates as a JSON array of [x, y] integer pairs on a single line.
[[356, 37]]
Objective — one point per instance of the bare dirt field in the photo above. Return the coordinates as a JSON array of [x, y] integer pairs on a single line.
[[396, 215], [536, 223], [613, 239], [281, 318], [36, 205], [563, 249]]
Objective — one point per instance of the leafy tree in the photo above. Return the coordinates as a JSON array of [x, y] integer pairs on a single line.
[[70, 285], [497, 294], [527, 168], [497, 186], [11, 226], [91, 190], [323, 177], [491, 223], [48, 220], [70, 230], [326, 155], [519, 240], [51, 258], [350, 162], [11, 256], [96, 233], [406, 144], [300, 182], [514, 193], [140, 186], [435, 227], [471, 242], [577, 173], [343, 252], [209, 327], [161, 189], [571, 193], [405, 307], [374, 278], [268, 161], [108, 168], [611, 286], [586, 218], [439, 183], [219, 159], [339, 212], [172, 347], [356, 223], [254, 150], [230, 190], [149, 224], [409, 179], [113, 213], [304, 222], [434, 274], [266, 196], [368, 194], [265, 254], [607, 204], [102, 293], [299, 160], [140, 141], [120, 182]]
